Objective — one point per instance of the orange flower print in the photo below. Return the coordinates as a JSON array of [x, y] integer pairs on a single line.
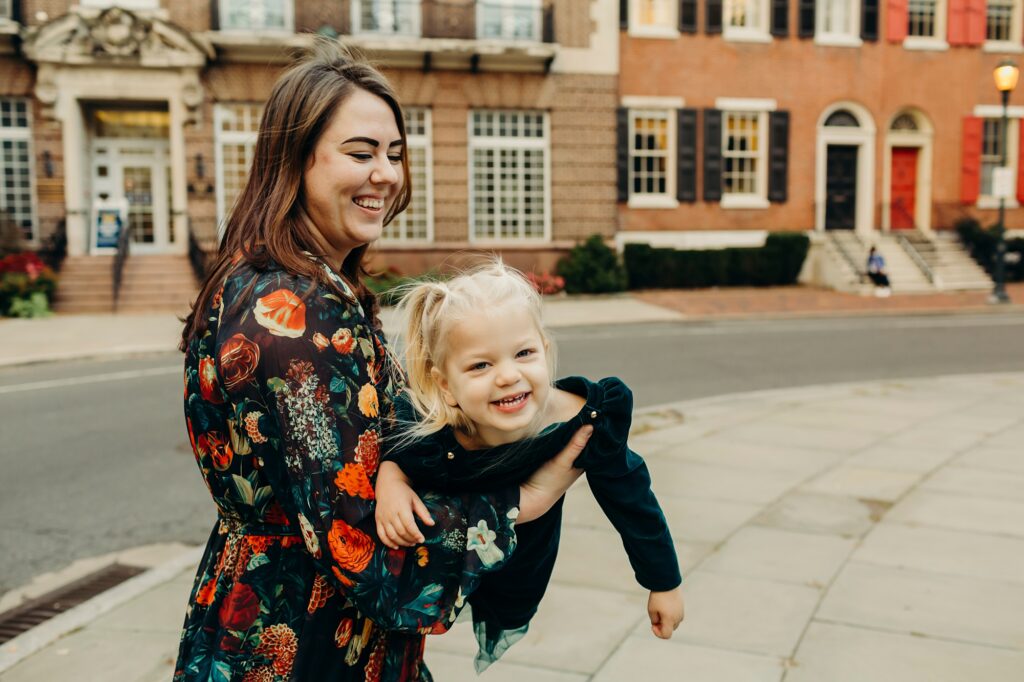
[[368, 452], [238, 359], [422, 556], [204, 597], [351, 547], [342, 578], [368, 404], [343, 341], [282, 313], [322, 591], [215, 446], [343, 634], [320, 341], [279, 643], [352, 479], [209, 385]]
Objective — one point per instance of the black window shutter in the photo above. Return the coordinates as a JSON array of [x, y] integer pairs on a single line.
[[778, 155], [622, 152], [214, 15], [687, 16], [713, 16], [16, 11], [624, 14], [806, 11], [712, 155], [780, 18], [686, 155], [869, 20]]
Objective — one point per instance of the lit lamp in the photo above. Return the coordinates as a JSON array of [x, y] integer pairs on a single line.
[[1005, 76]]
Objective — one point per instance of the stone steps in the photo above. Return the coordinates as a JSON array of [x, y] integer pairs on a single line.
[[149, 283]]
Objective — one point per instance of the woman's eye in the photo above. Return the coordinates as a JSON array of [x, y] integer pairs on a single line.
[[361, 157], [395, 158]]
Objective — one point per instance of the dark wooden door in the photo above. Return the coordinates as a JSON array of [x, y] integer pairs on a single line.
[[841, 187]]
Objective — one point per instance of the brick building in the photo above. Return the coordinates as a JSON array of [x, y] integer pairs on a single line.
[[153, 105], [739, 117]]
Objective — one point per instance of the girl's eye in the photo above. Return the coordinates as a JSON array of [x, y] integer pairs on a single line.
[[478, 366], [526, 352]]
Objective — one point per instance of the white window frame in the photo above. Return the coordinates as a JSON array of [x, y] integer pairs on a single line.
[[670, 105], [289, 18], [761, 107], [1012, 45], [422, 142], [124, 4], [509, 10], [6, 9], [496, 143], [414, 7], [938, 40], [850, 38], [1014, 114], [758, 33], [16, 134], [222, 138], [669, 30]]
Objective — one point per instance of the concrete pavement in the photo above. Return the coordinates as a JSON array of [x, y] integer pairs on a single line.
[[869, 531]]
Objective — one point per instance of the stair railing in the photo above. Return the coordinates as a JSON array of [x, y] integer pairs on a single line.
[[911, 250], [124, 241], [856, 266]]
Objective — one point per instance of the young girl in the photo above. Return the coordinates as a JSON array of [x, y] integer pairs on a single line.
[[480, 410]]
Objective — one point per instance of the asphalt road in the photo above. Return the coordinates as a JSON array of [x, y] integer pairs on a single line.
[[95, 457]]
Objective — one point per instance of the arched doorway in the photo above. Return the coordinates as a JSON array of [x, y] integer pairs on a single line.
[[845, 169], [906, 186]]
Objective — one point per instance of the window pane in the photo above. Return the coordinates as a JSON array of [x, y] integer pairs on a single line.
[[921, 18], [414, 222], [991, 152], [660, 13], [15, 165], [740, 153], [255, 14], [509, 19], [743, 14], [999, 19], [236, 131], [649, 151]]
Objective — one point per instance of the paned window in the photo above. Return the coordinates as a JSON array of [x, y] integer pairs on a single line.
[[835, 18], [103, 4], [744, 14], [5, 9], [921, 18], [508, 159], [416, 222], [16, 165], [743, 153], [991, 152], [999, 20], [650, 152], [655, 14], [389, 17], [256, 15], [236, 128], [509, 19]]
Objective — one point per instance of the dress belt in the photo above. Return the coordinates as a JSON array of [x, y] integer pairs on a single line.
[[239, 527]]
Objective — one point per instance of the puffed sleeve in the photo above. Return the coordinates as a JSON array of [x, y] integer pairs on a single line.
[[621, 484], [321, 380], [421, 459]]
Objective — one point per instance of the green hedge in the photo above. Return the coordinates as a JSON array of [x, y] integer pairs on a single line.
[[592, 267], [778, 262], [982, 245]]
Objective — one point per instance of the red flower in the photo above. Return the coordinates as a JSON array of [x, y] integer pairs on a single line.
[[343, 341], [238, 359], [240, 608], [209, 385], [230, 643], [215, 446], [276, 515]]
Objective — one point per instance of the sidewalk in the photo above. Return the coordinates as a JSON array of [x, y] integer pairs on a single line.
[[870, 531], [66, 337]]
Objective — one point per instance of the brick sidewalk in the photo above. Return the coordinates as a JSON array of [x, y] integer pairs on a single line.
[[800, 300]]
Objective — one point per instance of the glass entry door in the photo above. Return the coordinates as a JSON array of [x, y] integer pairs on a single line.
[[136, 171]]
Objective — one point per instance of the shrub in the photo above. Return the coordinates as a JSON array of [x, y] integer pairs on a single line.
[[778, 262], [592, 268], [981, 244], [22, 276], [389, 285]]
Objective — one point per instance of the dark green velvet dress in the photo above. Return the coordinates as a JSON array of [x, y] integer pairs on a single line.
[[507, 599]]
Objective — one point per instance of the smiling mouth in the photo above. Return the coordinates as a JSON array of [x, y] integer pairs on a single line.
[[512, 403], [369, 204]]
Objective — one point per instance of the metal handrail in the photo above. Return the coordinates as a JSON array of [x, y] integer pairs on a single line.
[[197, 256], [846, 256], [911, 250], [123, 251]]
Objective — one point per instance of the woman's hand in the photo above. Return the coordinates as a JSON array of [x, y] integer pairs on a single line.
[[397, 504], [549, 483]]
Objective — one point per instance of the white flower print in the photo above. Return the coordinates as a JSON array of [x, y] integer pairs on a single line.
[[481, 539]]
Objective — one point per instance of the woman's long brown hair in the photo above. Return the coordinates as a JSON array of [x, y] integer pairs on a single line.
[[269, 222]]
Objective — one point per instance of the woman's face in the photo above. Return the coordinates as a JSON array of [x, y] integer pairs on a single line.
[[354, 174]]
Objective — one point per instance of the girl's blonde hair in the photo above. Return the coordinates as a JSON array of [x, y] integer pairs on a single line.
[[431, 310]]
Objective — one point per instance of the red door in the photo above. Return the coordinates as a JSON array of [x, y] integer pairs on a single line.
[[904, 188]]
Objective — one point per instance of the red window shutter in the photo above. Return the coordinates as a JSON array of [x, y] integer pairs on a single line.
[[1020, 155], [976, 17], [970, 171], [957, 29], [896, 21]]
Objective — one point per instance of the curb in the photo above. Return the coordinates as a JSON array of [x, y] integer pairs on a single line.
[[30, 642]]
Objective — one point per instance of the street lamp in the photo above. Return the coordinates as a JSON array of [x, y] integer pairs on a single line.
[[1005, 76]]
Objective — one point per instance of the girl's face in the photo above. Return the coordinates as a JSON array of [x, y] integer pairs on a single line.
[[354, 174], [497, 373]]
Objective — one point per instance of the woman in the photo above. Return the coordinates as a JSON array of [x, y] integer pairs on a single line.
[[287, 378]]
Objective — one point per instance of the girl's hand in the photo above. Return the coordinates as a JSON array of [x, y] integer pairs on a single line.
[[666, 612], [397, 504], [549, 483]]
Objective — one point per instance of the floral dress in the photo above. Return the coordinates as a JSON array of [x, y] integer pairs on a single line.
[[284, 396]]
